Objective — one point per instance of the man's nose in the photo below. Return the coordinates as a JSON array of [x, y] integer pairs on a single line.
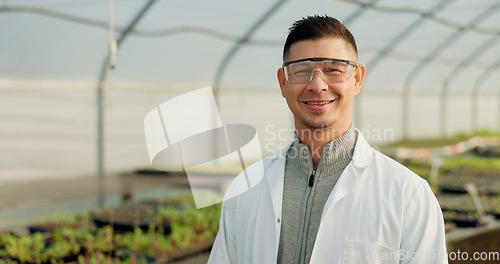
[[314, 73], [317, 81]]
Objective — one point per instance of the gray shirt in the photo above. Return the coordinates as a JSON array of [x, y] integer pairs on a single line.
[[305, 193]]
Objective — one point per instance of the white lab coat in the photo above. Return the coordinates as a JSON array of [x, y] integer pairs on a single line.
[[378, 212]]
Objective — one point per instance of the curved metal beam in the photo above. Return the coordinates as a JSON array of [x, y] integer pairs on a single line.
[[363, 6], [403, 34], [387, 49], [55, 14], [139, 33], [433, 17], [103, 77], [351, 18], [229, 55], [431, 56], [225, 61], [473, 56], [356, 14], [475, 92]]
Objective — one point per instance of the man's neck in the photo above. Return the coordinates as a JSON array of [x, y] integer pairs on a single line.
[[316, 139]]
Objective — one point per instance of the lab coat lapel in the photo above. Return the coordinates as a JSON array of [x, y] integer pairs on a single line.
[[347, 180], [275, 175]]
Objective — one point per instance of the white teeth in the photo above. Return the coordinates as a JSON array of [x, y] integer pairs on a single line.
[[318, 103]]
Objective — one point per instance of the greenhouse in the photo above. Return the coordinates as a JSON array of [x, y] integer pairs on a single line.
[[86, 174]]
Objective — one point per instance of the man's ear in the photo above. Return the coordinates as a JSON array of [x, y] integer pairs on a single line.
[[359, 76], [281, 80]]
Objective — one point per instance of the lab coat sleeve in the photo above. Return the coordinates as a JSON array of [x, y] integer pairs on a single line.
[[423, 236], [224, 248]]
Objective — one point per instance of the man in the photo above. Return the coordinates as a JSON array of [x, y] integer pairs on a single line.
[[328, 197]]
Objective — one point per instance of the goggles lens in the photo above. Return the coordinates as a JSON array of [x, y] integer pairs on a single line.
[[331, 70]]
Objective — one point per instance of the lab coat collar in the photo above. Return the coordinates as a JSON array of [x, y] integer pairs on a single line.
[[275, 173], [362, 152], [361, 157]]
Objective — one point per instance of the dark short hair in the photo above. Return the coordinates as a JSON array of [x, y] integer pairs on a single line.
[[315, 27]]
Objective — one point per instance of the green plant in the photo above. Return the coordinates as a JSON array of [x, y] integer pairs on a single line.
[[7, 261], [99, 258], [151, 243], [182, 236], [64, 219], [125, 218], [72, 235], [60, 250], [472, 162], [202, 220], [25, 248], [441, 141]]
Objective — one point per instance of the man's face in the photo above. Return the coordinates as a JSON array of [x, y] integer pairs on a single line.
[[318, 105]]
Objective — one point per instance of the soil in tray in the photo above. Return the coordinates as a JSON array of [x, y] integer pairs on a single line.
[[124, 227], [486, 152], [154, 172], [69, 260], [127, 218], [464, 204], [184, 253], [454, 183], [47, 229], [124, 255], [62, 220], [179, 202], [466, 222], [461, 219]]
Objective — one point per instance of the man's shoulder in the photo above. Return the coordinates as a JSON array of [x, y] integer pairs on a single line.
[[395, 180], [381, 165], [392, 169]]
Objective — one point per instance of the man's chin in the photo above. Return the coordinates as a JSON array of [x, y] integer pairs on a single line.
[[317, 125]]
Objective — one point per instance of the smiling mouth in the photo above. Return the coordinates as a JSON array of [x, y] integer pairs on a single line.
[[318, 102]]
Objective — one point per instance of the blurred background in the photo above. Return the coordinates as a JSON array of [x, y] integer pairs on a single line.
[[78, 77]]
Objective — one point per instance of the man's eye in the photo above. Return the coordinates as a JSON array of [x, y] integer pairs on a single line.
[[332, 70], [302, 72]]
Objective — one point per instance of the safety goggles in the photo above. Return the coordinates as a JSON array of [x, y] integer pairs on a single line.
[[331, 70]]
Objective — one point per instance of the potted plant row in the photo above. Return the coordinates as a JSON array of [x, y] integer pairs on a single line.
[[454, 183], [36, 248], [461, 208], [470, 219], [77, 239], [59, 220], [127, 218]]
